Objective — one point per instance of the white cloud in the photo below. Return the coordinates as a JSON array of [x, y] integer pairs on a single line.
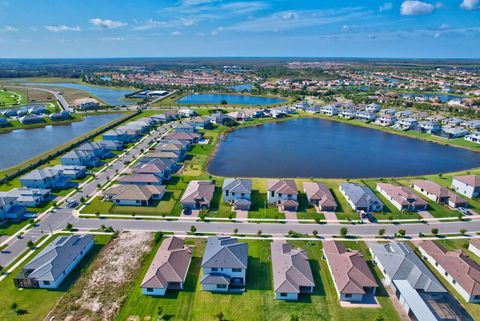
[[151, 24], [62, 28], [107, 23], [9, 29], [112, 39], [414, 8], [297, 19], [437, 35], [176, 33], [187, 22], [444, 26], [386, 7], [470, 4]]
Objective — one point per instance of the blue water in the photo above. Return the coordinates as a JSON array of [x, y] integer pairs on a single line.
[[247, 87], [321, 148], [203, 99], [21, 145], [111, 96], [443, 97]]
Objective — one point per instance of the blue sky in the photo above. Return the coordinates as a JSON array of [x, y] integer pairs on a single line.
[[313, 28]]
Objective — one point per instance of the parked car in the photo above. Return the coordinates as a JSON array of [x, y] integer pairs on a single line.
[[464, 211]]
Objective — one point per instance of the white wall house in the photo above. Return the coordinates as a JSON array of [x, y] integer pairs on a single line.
[[468, 186]]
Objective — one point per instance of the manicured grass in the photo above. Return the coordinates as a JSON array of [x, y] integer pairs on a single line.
[[10, 98], [38, 302], [257, 302]]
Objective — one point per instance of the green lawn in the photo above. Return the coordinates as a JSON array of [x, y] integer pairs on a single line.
[[37, 302], [257, 303], [10, 98]]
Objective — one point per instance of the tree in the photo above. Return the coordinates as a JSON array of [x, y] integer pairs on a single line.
[[30, 244], [463, 231], [82, 199], [193, 229], [434, 231], [294, 317], [401, 232], [69, 227], [380, 318], [220, 316], [223, 102], [315, 233], [381, 232], [14, 306], [235, 230], [343, 231], [160, 313], [1, 269], [259, 233]]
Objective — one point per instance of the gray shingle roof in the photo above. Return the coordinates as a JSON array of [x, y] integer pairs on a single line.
[[361, 196], [238, 185], [225, 252]]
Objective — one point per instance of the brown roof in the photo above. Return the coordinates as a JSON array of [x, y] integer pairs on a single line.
[[456, 263], [162, 155], [170, 264], [140, 178], [438, 190], [287, 186], [199, 191], [291, 268], [149, 168], [182, 136], [401, 194], [350, 271], [134, 192], [320, 193], [471, 180]]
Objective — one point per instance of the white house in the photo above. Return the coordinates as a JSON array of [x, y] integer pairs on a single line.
[[237, 192], [474, 137], [329, 110], [468, 185], [54, 263], [284, 193]]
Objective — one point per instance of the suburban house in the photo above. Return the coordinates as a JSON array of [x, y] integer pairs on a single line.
[[364, 115], [168, 269], [284, 193], [4, 122], [31, 119], [292, 274], [329, 110], [361, 198], [221, 119], [416, 288], [200, 122], [80, 158], [31, 197], [348, 113], [111, 144], [407, 123], [386, 120], [429, 126], [474, 137], [401, 197], [185, 128], [191, 137], [351, 275], [97, 149], [453, 132], [10, 209], [52, 265], [47, 178], [238, 192], [71, 171], [186, 112], [64, 115], [198, 195], [224, 265], [116, 135], [468, 185], [158, 169], [472, 124], [474, 247], [374, 108], [313, 109], [162, 155], [439, 194], [319, 195], [140, 179], [134, 195], [457, 268]]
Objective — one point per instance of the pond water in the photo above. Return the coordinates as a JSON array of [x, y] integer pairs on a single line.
[[21, 145], [111, 96], [202, 99], [443, 97], [310, 147], [243, 87]]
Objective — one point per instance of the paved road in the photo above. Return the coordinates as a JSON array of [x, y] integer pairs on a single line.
[[274, 228], [59, 219]]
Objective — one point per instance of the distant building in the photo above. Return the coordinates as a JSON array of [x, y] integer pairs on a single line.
[[468, 185]]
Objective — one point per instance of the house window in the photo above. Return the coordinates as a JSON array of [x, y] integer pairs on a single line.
[[348, 295], [272, 193], [476, 297], [446, 273], [242, 194], [236, 270], [138, 202], [289, 195], [221, 286], [149, 289], [454, 282], [233, 193], [227, 193], [214, 269], [46, 282], [279, 194], [283, 294]]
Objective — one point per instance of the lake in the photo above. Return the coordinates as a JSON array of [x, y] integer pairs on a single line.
[[443, 97], [310, 147], [246, 87], [21, 145], [204, 99], [111, 96]]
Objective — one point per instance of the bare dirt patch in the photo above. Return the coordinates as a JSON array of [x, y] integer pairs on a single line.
[[99, 293]]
